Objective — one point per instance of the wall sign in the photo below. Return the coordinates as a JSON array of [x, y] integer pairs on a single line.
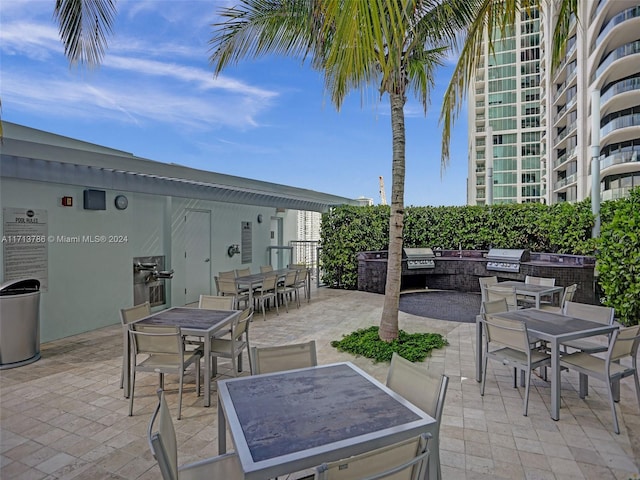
[[25, 244]]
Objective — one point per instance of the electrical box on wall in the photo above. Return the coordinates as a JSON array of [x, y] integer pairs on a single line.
[[95, 199]]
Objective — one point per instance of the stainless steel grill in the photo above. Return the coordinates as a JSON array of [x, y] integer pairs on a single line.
[[506, 259], [419, 258]]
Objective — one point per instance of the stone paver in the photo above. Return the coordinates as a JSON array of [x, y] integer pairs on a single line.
[[65, 417]]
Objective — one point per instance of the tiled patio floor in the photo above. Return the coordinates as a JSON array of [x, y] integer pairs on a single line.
[[64, 416]]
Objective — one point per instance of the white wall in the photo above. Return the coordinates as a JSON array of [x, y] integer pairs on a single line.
[[89, 282]]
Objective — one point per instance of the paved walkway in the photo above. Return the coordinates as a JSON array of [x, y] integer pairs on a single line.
[[64, 417]]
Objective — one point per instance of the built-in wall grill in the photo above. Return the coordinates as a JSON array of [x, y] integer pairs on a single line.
[[419, 258], [506, 259]]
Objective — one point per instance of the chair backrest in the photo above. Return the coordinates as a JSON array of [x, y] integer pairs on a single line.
[[213, 302], [242, 272], [507, 332], [595, 313], [291, 278], [424, 390], [230, 274], [156, 339], [227, 286], [266, 268], [547, 282], [569, 293], [484, 283], [284, 357], [496, 292], [269, 282], [163, 443], [131, 314], [401, 461], [624, 343], [241, 327], [495, 306]]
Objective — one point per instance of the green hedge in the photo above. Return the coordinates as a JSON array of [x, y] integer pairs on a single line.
[[560, 228]]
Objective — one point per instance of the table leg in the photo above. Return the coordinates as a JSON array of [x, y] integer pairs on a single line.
[[127, 363], [537, 297], [207, 370], [478, 349], [555, 379], [222, 430]]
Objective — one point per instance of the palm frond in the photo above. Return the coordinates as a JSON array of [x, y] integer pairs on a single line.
[[83, 27]]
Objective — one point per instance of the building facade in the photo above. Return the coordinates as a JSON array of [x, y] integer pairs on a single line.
[[538, 119]]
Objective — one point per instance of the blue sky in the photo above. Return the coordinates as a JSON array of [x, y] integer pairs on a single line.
[[269, 119]]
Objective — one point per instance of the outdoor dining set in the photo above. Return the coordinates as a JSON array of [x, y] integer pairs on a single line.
[[336, 421], [520, 325]]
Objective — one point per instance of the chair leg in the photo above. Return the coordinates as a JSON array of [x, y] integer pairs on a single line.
[[616, 428], [484, 375], [526, 392], [198, 377], [132, 382]]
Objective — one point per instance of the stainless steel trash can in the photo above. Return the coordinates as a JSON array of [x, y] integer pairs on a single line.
[[19, 322]]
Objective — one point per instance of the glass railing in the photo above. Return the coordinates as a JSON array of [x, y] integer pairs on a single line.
[[622, 86], [632, 120], [615, 193], [620, 52], [566, 181], [617, 20], [601, 4], [620, 158]]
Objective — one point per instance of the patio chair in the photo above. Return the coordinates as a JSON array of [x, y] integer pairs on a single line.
[[229, 288], [233, 347], [496, 292], [531, 280], [165, 353], [243, 272], [284, 357], [595, 313], [289, 287], [484, 283], [266, 268], [163, 445], [127, 316], [266, 292], [401, 461], [507, 341], [213, 302], [425, 391], [623, 344], [495, 306], [301, 282], [567, 296]]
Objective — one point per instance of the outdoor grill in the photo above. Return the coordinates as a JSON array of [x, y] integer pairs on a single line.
[[419, 258], [506, 259]]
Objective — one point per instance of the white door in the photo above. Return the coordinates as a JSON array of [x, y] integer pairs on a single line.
[[197, 232], [276, 241]]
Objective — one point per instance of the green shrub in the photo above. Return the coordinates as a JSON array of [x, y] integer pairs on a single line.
[[365, 342]]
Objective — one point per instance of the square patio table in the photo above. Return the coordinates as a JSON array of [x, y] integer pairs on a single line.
[[553, 328], [290, 421], [254, 280], [199, 323], [532, 290]]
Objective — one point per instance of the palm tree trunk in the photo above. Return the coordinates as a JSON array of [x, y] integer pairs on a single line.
[[389, 321]]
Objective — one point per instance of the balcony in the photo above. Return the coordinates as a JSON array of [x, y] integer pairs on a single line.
[[619, 158], [631, 120], [566, 181], [633, 12], [620, 52], [615, 193], [622, 86]]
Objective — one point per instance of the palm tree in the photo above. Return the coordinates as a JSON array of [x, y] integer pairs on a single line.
[[391, 45], [494, 16]]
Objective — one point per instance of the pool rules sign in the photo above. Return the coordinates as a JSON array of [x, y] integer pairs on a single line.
[[25, 244]]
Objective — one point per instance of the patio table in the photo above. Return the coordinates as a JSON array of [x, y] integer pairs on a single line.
[[290, 421], [197, 322], [553, 328], [254, 280], [532, 290]]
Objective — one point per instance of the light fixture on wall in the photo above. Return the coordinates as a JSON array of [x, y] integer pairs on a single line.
[[259, 218], [233, 249]]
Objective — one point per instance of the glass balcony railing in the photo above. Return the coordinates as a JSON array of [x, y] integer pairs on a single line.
[[620, 52], [617, 20], [615, 193], [566, 181], [632, 120], [619, 158], [620, 87]]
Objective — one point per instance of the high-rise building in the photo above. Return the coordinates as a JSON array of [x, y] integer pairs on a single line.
[[538, 119]]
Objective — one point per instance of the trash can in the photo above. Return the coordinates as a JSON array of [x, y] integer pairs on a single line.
[[19, 322]]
